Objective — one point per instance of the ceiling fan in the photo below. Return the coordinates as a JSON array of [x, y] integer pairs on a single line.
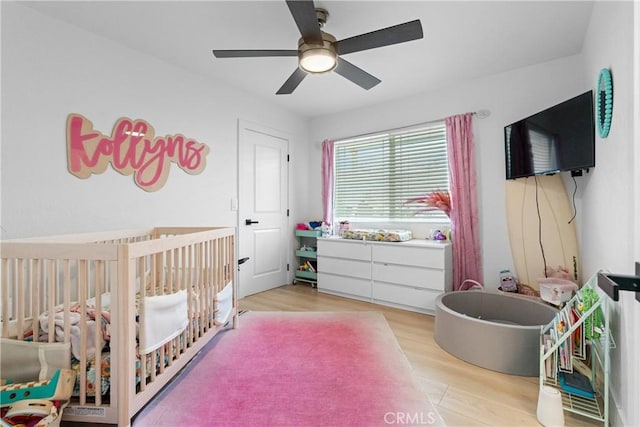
[[320, 52]]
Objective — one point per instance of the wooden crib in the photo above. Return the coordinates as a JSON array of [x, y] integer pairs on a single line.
[[108, 295]]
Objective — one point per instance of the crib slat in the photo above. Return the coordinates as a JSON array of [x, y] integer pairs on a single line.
[[214, 278], [201, 288], [232, 271], [186, 272], [169, 271], [211, 283], [208, 283], [37, 281], [114, 374], [28, 315], [191, 296], [165, 350], [220, 265], [51, 299], [20, 299], [178, 268], [216, 271], [28, 296], [158, 367], [142, 371], [67, 300], [98, 333], [6, 300], [155, 267], [168, 355], [82, 299], [153, 365]]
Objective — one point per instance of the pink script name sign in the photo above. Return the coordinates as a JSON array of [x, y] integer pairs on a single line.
[[131, 148]]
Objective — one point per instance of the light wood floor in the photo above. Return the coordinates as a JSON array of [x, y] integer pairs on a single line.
[[464, 394]]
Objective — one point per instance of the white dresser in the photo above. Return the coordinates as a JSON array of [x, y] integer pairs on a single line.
[[408, 275]]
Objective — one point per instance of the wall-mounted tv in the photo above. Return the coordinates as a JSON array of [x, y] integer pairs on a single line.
[[560, 138]]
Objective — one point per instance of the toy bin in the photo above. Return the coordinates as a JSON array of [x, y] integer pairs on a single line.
[[556, 291]]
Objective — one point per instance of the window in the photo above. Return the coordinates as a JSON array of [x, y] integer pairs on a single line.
[[543, 149], [375, 175], [540, 149]]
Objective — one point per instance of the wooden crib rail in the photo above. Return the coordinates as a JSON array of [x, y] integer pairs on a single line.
[[116, 236]]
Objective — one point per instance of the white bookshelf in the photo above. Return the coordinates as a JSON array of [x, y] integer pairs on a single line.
[[594, 364]]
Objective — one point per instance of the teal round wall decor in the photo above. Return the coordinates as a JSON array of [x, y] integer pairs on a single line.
[[604, 102]]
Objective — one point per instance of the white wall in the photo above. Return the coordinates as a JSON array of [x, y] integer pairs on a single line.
[[509, 97], [612, 193], [51, 69]]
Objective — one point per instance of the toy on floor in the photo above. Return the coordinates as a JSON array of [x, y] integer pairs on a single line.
[[59, 387], [33, 413], [36, 403]]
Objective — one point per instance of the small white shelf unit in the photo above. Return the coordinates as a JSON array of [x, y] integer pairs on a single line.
[[306, 257], [598, 350]]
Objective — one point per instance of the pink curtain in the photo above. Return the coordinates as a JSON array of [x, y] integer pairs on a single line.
[[464, 205], [327, 181]]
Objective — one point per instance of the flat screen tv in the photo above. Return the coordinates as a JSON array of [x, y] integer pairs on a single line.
[[560, 138]]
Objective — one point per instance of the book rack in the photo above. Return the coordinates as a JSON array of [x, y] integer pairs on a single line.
[[578, 340]]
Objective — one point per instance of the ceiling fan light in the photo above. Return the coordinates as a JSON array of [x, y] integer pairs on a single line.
[[318, 60]]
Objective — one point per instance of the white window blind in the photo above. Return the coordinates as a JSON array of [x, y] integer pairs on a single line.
[[375, 175], [543, 149]]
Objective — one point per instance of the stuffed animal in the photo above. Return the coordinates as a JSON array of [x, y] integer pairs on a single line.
[[508, 282], [560, 273]]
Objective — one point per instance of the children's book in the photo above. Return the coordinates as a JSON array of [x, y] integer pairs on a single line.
[[550, 365], [576, 383], [565, 364], [578, 336]]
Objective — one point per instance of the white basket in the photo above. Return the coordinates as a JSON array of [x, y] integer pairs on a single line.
[[556, 291], [224, 304]]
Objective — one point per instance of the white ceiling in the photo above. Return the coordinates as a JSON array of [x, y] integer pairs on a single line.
[[462, 41]]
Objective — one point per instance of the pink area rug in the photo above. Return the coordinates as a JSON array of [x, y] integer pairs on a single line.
[[296, 369]]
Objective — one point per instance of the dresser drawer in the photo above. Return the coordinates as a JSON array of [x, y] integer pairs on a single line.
[[422, 299], [344, 249], [345, 267], [427, 278], [347, 285], [432, 257]]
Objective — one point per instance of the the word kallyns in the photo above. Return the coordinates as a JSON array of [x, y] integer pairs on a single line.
[[132, 148]]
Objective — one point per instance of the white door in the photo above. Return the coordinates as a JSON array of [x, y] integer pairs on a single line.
[[263, 225]]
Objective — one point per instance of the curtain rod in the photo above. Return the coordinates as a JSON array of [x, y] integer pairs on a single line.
[[481, 114]]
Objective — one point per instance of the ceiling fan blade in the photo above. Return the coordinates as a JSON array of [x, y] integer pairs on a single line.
[[292, 82], [304, 13], [252, 53], [384, 37], [355, 74]]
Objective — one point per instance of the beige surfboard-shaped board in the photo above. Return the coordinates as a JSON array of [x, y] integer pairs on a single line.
[[530, 234]]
